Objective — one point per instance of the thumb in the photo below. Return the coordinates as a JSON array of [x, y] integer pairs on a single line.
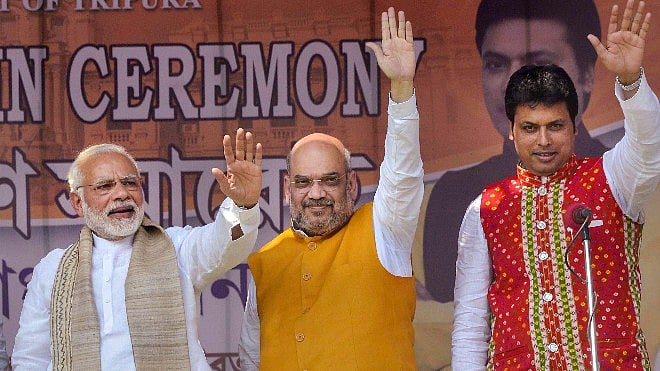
[[376, 49], [222, 180], [599, 48]]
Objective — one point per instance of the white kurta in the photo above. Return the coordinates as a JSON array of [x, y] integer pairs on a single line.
[[203, 255]]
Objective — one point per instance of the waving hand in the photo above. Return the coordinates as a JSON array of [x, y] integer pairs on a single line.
[[242, 183], [396, 54], [623, 49]]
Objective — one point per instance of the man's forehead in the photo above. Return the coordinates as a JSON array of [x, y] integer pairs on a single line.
[[319, 139], [529, 33], [107, 165], [541, 112], [316, 157]]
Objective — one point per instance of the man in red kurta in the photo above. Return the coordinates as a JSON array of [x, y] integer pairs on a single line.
[[521, 299]]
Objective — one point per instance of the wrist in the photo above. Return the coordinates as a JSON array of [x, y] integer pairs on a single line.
[[245, 207], [630, 83], [401, 91]]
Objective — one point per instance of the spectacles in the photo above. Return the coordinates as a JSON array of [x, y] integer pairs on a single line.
[[103, 187], [328, 182]]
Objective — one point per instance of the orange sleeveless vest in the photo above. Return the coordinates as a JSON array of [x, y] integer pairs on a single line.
[[327, 303]]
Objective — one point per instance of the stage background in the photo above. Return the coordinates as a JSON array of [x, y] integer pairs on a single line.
[[168, 78]]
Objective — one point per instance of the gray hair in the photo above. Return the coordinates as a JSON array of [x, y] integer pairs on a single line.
[[75, 176]]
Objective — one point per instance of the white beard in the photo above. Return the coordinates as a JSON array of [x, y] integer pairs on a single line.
[[112, 228]]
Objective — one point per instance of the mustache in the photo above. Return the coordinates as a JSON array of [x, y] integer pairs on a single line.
[[317, 202], [119, 205]]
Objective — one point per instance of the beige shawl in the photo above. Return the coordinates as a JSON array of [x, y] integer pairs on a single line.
[[154, 305]]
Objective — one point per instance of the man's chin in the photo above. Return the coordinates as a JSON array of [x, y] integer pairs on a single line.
[[542, 168], [315, 227], [117, 230]]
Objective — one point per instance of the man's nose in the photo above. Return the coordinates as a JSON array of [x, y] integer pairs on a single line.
[[120, 191], [543, 138], [316, 190]]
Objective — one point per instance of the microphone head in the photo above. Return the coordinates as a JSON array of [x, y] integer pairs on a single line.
[[576, 215]]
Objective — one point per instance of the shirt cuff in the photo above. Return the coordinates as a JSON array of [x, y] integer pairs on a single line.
[[404, 109], [247, 218], [632, 101]]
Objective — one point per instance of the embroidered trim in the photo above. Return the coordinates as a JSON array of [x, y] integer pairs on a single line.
[[61, 301]]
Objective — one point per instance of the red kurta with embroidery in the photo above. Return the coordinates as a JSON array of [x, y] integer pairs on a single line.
[[539, 307]]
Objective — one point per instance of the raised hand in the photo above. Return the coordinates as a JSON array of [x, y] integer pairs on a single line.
[[623, 50], [242, 183], [396, 54]]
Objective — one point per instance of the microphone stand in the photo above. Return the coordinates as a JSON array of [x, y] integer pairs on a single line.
[[586, 241]]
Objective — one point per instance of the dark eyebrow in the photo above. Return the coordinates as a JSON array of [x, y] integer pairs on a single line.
[[529, 55], [494, 55], [557, 121]]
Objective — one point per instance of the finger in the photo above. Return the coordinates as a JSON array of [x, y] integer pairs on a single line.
[[217, 173], [402, 25], [222, 180], [258, 155], [248, 146], [409, 32], [637, 21], [240, 144], [614, 20], [384, 26], [228, 151], [645, 26], [598, 46], [627, 16], [391, 19], [376, 49]]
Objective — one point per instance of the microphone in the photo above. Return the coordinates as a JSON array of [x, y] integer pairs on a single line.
[[576, 215]]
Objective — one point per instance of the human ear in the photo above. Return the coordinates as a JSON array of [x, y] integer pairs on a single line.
[[76, 202], [287, 190], [352, 184]]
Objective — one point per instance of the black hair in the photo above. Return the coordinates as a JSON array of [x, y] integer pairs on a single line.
[[579, 16], [547, 85]]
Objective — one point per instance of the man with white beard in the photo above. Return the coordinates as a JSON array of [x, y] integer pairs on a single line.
[[124, 296]]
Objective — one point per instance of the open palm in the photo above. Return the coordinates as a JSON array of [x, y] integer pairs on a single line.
[[242, 183], [623, 50], [396, 53]]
